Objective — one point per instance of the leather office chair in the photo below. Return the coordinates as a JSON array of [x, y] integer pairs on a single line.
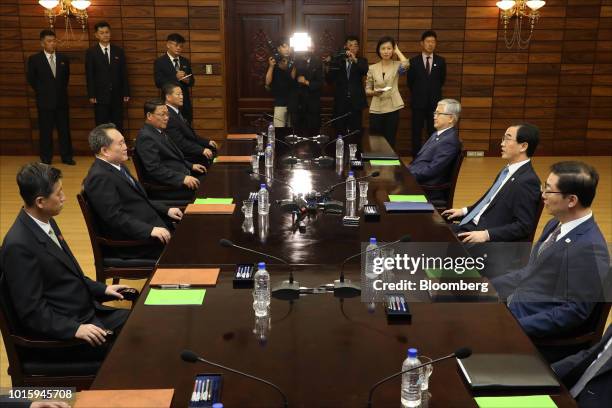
[[449, 187], [111, 267]]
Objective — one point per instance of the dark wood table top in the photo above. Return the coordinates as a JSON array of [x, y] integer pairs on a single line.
[[320, 350]]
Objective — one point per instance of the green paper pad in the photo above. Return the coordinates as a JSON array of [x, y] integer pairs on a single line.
[[531, 401], [412, 198], [449, 274], [214, 201], [385, 163], [171, 297]]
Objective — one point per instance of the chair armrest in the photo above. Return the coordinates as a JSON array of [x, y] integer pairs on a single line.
[[568, 341], [131, 243], [39, 343], [157, 187]]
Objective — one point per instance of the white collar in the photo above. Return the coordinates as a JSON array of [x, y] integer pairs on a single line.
[[173, 108], [45, 226], [439, 132], [568, 226], [103, 47], [172, 58], [425, 55], [118, 167], [48, 55], [512, 168]]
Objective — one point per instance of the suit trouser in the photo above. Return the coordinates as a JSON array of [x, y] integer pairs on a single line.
[[49, 119], [385, 124], [419, 117], [110, 113]]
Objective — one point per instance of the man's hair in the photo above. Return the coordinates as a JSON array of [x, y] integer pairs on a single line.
[[101, 24], [530, 134], [152, 104], [282, 41], [429, 33], [98, 137], [168, 88], [36, 180], [47, 33], [176, 37], [383, 40], [351, 38], [453, 107], [576, 178]]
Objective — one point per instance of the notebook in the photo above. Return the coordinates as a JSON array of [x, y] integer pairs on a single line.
[[379, 156], [210, 208], [186, 276], [161, 398], [232, 159], [241, 136], [407, 206]]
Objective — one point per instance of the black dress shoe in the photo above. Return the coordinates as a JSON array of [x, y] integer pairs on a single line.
[[69, 162]]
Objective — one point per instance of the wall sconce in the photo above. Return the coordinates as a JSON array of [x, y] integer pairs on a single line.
[[66, 8], [521, 10]]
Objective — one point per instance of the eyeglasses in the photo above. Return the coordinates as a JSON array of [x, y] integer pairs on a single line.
[[507, 139], [441, 113], [161, 115], [544, 191]]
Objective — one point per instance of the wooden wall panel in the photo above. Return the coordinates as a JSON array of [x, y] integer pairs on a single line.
[[562, 82], [140, 27]]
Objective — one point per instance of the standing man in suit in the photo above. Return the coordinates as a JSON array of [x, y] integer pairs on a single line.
[[556, 292], [119, 201], [588, 374], [48, 75], [434, 162], [163, 161], [280, 80], [305, 102], [508, 210], [196, 149], [347, 71], [426, 78], [107, 78], [46, 286], [172, 67]]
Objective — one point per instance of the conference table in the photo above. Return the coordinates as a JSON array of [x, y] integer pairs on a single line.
[[321, 350]]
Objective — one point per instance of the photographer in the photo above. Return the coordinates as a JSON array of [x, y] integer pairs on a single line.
[[280, 80], [346, 70]]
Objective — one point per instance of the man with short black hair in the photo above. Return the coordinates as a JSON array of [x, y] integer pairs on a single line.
[[48, 75], [163, 161], [195, 148], [107, 78], [175, 68], [426, 77], [50, 294], [119, 201]]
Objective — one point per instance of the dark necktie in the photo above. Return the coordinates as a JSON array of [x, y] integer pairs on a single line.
[[552, 238], [428, 66], [127, 176], [182, 117], [176, 64], [106, 55], [348, 69], [487, 199]]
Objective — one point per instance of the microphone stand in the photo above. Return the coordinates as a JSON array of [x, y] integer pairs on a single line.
[[321, 138], [292, 138], [325, 160]]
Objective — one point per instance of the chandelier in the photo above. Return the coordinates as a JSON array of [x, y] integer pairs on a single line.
[[521, 10], [68, 9]]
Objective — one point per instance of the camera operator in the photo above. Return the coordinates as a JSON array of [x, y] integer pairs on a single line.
[[280, 81], [346, 71]]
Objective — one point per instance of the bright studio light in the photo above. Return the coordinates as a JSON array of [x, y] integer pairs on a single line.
[[300, 42]]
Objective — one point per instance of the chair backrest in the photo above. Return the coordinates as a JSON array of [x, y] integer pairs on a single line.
[[137, 165], [530, 237], [92, 229], [455, 176]]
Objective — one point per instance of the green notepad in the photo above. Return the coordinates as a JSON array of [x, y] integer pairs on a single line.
[[530, 401], [444, 273], [413, 198], [210, 200], [385, 163], [170, 297]]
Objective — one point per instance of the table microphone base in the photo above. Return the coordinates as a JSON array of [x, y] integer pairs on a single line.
[[286, 290], [320, 139], [290, 160], [324, 161], [293, 139], [346, 289]]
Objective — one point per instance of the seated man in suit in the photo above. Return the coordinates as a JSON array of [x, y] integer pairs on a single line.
[[508, 210], [45, 284], [557, 290], [195, 148], [434, 162], [120, 202], [588, 374], [163, 161]]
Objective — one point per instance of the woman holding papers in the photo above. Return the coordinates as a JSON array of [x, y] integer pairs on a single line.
[[381, 85]]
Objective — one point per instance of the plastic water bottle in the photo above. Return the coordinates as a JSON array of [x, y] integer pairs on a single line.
[[339, 147], [411, 381], [371, 253], [263, 200], [271, 135], [269, 156], [260, 142], [261, 292], [351, 186]]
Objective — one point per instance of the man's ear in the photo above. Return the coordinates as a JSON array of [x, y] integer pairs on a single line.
[[39, 202]]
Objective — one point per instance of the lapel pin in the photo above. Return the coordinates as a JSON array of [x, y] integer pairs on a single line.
[[512, 179], [435, 65], [567, 240]]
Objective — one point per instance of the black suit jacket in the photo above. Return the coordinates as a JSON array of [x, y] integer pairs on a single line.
[[511, 216], [183, 135], [51, 92], [598, 392], [46, 285], [123, 209], [307, 98], [106, 82], [349, 94], [165, 73], [163, 161], [434, 162], [426, 90]]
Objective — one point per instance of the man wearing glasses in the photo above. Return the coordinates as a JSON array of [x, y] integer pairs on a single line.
[[508, 210], [556, 292]]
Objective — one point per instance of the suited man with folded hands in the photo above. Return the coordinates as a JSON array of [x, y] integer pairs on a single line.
[[120, 202], [163, 161]]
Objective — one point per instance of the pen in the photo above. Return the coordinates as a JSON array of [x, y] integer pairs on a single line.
[[403, 302], [199, 387], [195, 388]]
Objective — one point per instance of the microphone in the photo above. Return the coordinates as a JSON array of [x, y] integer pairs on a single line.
[[191, 357], [294, 138], [286, 290], [461, 353], [330, 189], [343, 288], [326, 160], [291, 159], [332, 120]]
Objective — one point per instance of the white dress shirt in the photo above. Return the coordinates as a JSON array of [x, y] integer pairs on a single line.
[[45, 226], [568, 226]]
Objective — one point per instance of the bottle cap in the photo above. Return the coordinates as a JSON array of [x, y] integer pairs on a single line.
[[412, 352], [372, 240], [351, 173], [217, 405], [262, 185], [261, 265]]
